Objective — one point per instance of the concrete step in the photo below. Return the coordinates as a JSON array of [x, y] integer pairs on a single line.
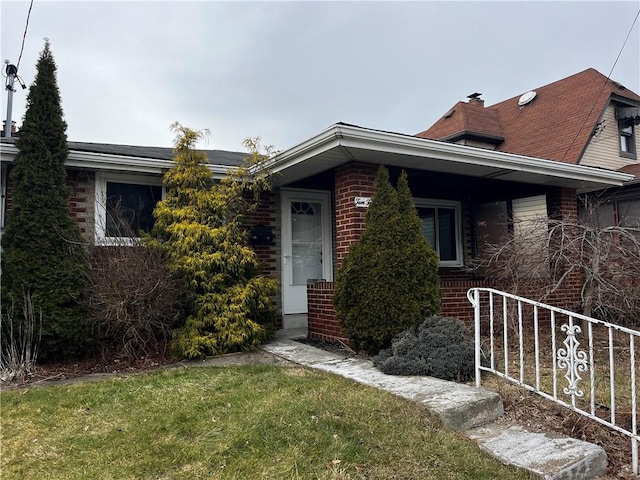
[[546, 455], [473, 411]]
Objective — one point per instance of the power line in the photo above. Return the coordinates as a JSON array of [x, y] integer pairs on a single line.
[[624, 44], [595, 100], [24, 36]]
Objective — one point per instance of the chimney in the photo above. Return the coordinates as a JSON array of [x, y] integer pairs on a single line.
[[475, 99]]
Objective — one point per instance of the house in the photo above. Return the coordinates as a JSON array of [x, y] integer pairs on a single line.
[[322, 190], [584, 119]]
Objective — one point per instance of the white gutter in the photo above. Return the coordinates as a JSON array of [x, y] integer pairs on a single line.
[[109, 162], [385, 142]]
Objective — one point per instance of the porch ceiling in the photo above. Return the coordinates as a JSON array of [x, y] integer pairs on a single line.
[[342, 144]]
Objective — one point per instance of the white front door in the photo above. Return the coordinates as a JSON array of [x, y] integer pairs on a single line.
[[306, 245]]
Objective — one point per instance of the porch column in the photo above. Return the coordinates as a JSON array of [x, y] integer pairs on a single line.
[[562, 204], [351, 181]]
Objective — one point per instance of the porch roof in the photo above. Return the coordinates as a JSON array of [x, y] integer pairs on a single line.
[[343, 143]]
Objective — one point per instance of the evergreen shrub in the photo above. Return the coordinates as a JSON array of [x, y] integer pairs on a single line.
[[200, 225], [389, 278], [440, 347], [43, 253]]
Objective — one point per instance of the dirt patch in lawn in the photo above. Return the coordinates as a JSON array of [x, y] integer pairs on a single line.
[[110, 364]]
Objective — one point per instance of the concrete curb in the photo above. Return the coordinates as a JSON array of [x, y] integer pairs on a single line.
[[460, 407]]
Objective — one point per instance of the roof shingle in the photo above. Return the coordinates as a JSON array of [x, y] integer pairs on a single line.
[[556, 125]]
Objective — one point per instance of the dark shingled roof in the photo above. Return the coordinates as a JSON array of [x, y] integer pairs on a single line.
[[216, 157]]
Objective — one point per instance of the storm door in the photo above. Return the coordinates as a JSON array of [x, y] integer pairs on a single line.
[[306, 245]]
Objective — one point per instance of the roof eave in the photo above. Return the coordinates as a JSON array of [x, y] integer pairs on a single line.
[[107, 162], [346, 137]]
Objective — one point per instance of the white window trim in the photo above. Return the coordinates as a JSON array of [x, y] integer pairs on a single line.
[[457, 206], [102, 179]]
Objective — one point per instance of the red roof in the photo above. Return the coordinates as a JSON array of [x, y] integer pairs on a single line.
[[557, 124], [633, 169], [468, 119]]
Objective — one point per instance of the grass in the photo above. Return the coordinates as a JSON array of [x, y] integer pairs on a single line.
[[249, 422]]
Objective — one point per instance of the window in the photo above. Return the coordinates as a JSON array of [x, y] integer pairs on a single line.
[[602, 213], [629, 212], [124, 206], [521, 222], [441, 226], [306, 241], [626, 129]]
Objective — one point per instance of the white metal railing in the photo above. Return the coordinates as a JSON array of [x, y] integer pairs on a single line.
[[522, 338]]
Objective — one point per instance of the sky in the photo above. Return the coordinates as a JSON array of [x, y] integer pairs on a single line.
[[286, 71]]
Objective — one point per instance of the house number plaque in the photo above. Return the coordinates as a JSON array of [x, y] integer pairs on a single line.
[[362, 202]]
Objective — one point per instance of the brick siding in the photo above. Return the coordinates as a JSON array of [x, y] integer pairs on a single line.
[[268, 214], [353, 180], [82, 185]]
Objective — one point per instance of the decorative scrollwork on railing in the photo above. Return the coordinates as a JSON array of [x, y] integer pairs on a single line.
[[574, 361]]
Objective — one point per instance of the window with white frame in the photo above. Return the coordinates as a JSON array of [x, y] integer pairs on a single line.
[[124, 206], [441, 222]]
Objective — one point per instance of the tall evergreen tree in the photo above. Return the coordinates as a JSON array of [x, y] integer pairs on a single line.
[[200, 226], [43, 254], [388, 281]]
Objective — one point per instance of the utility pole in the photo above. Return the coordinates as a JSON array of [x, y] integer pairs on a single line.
[[12, 75]]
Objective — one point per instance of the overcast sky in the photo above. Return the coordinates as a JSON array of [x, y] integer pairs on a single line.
[[288, 70]]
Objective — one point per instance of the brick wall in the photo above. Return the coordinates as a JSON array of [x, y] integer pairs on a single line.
[[353, 180], [268, 214], [321, 314], [82, 185]]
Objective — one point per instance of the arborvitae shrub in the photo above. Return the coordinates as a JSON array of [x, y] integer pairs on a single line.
[[43, 254], [440, 347], [388, 280]]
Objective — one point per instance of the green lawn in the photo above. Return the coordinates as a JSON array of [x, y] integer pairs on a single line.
[[253, 422]]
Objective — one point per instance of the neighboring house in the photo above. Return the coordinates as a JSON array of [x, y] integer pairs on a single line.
[[585, 119], [464, 194]]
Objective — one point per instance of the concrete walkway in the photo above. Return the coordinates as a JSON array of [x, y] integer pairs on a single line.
[[473, 411]]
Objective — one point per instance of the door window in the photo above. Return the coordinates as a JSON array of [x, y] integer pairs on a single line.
[[306, 242]]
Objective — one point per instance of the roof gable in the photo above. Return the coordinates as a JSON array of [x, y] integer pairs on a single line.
[[467, 120], [557, 124]]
